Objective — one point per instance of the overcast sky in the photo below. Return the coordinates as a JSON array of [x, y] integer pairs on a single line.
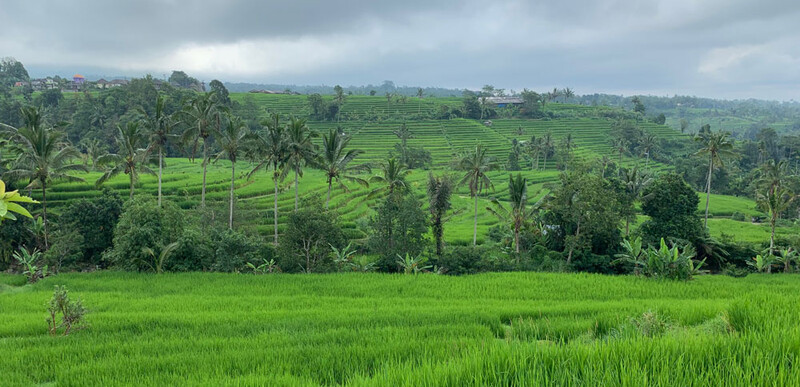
[[713, 48]]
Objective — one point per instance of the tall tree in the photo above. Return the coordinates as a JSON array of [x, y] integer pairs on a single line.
[[301, 151], [43, 156], [132, 158], [518, 213], [232, 138], [439, 191], [635, 182], [339, 98], [547, 147], [774, 202], [335, 161], [159, 126], [568, 143], [647, 146], [404, 134], [393, 175], [476, 165], [718, 147], [203, 116], [271, 153], [420, 94]]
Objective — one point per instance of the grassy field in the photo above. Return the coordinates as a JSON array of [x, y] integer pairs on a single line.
[[377, 329]]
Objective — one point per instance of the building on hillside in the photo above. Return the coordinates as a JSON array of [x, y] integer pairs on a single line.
[[101, 83], [40, 84], [502, 102], [117, 83], [19, 84]]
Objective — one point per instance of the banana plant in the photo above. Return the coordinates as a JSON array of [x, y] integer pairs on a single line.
[[9, 204], [412, 265]]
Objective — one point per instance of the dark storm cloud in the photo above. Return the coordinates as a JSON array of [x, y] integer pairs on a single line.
[[734, 48]]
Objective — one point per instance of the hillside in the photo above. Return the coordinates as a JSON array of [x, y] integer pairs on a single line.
[[589, 127]]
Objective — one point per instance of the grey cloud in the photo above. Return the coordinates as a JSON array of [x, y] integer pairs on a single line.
[[649, 46]]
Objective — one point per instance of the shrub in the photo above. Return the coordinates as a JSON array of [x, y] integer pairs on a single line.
[[195, 252], [234, 250], [32, 268], [670, 263], [95, 221], [461, 260], [398, 228], [306, 243], [738, 216], [144, 225], [72, 313]]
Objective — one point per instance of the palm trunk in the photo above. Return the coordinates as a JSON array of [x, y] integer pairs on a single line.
[[772, 222], [516, 239], [203, 189], [233, 177], [131, 176], [328, 201], [44, 213], [295, 190], [572, 246], [160, 167], [275, 211], [475, 224], [544, 164], [708, 188]]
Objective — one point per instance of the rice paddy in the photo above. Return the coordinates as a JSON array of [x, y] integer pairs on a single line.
[[380, 329]]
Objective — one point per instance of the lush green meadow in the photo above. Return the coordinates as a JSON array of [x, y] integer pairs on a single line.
[[379, 329]]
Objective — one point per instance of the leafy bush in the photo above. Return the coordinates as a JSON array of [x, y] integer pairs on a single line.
[[94, 220], [738, 216], [461, 260], [72, 313], [671, 263], [32, 268], [398, 228], [306, 243], [144, 225], [234, 250]]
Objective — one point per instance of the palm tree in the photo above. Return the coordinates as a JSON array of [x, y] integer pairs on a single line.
[[202, 116], [301, 150], [132, 157], [159, 126], [393, 174], [569, 144], [774, 202], [43, 156], [648, 145], [420, 94], [336, 161], [517, 213], [232, 138], [568, 93], [534, 148], [635, 182], [439, 191], [772, 175], [547, 147], [271, 152], [476, 164], [717, 147], [620, 145], [404, 134], [94, 148]]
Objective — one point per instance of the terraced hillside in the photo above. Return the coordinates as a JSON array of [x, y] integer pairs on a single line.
[[442, 138]]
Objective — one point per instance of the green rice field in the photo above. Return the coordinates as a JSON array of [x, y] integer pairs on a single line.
[[510, 329]]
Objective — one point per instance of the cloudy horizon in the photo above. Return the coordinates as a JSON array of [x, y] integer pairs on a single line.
[[719, 49]]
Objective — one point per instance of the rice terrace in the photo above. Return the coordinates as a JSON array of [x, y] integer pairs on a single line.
[[241, 222]]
